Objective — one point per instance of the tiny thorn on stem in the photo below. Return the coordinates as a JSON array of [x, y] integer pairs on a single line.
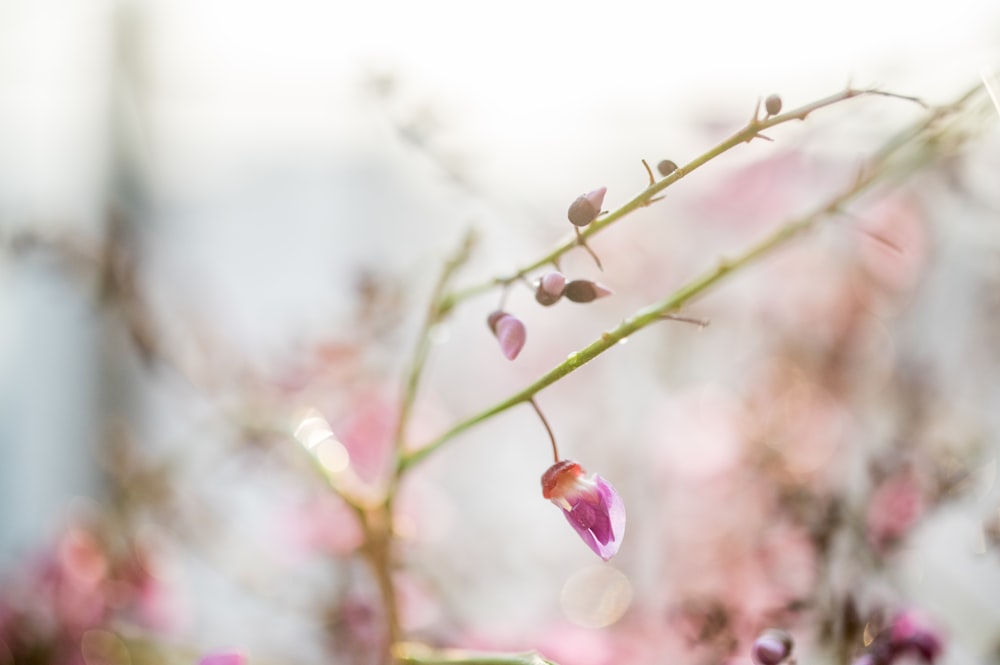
[[583, 243], [755, 118], [649, 172], [701, 323]]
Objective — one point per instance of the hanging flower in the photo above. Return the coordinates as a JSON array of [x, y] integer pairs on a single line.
[[509, 331], [590, 504]]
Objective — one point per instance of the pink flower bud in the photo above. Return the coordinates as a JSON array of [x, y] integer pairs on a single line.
[[509, 331], [224, 658], [591, 506], [771, 647], [587, 207], [912, 633], [550, 288], [583, 290]]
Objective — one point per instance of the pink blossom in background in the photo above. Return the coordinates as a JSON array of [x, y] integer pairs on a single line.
[[366, 427], [895, 506], [893, 243], [322, 524]]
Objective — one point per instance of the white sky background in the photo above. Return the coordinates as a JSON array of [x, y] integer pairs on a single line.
[[542, 100]]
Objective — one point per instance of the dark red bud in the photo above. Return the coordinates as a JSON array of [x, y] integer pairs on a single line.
[[583, 290], [772, 104], [587, 207], [666, 167]]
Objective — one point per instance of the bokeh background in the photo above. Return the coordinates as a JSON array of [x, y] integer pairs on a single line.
[[217, 215]]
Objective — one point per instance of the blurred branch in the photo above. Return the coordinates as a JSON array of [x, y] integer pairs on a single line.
[[419, 654], [901, 155]]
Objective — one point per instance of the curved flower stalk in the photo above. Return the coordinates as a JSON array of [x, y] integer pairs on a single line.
[[591, 506]]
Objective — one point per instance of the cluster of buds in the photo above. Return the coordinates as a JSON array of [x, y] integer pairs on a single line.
[[771, 647], [553, 285], [909, 637]]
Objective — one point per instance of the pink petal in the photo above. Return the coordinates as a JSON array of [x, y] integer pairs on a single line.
[[602, 525], [224, 658], [511, 334]]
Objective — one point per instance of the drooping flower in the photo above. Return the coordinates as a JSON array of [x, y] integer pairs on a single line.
[[591, 506], [584, 290]]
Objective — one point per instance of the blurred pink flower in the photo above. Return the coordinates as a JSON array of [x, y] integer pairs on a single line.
[[224, 658], [913, 633], [894, 507], [591, 506]]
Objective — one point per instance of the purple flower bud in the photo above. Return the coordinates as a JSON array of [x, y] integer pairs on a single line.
[[771, 647], [583, 290], [550, 288], [910, 632], [591, 506], [509, 331], [587, 207], [224, 658]]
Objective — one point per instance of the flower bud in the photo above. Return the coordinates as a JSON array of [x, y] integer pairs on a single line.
[[771, 647], [772, 104], [911, 632], [666, 167], [509, 331], [589, 503], [583, 290], [550, 288], [587, 207]]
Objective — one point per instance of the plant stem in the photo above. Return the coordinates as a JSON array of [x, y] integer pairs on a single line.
[[419, 654], [378, 552], [750, 131], [552, 437], [927, 133]]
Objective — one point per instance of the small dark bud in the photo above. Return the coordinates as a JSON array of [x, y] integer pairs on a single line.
[[772, 104], [771, 647], [666, 167], [587, 207], [583, 290]]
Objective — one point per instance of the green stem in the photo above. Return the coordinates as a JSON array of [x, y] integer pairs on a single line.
[[750, 131], [436, 310], [877, 169]]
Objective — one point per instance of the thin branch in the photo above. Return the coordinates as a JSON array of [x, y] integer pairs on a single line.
[[926, 133], [751, 130], [548, 428]]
